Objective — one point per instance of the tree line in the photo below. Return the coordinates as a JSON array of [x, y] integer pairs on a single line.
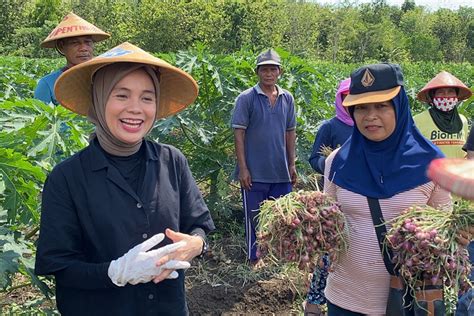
[[346, 33]]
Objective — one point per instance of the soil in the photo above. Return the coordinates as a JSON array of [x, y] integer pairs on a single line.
[[215, 286], [259, 298]]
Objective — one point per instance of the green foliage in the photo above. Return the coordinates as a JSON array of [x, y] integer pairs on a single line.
[[8, 266], [19, 191], [11, 15], [408, 5], [422, 45], [449, 28], [344, 33], [46, 10], [20, 76], [17, 255], [34, 137]]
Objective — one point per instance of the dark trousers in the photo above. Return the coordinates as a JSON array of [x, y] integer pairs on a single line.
[[252, 199], [465, 305], [334, 310]]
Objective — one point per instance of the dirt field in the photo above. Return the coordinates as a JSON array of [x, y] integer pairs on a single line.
[[260, 298], [223, 284]]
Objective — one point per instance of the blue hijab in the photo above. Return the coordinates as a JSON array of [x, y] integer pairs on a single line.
[[383, 169]]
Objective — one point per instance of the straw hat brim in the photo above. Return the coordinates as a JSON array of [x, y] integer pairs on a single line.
[[178, 89], [444, 80], [464, 93], [371, 97]]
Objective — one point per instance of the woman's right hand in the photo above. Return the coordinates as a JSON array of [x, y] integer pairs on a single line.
[[193, 247]]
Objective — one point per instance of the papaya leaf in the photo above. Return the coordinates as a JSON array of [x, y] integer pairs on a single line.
[[36, 281], [10, 160], [8, 266]]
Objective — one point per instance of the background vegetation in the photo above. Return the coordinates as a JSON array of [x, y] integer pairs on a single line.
[[217, 43], [345, 33]]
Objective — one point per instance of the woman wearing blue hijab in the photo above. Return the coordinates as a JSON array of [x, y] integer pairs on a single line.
[[384, 160]]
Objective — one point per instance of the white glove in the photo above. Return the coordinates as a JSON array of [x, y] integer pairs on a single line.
[[138, 265]]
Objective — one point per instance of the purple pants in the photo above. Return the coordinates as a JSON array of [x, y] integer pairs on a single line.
[[252, 199]]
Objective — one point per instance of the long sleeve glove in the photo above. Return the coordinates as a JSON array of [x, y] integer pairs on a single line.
[[138, 265]]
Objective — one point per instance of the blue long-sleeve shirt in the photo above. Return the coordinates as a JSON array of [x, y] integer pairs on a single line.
[[332, 133]]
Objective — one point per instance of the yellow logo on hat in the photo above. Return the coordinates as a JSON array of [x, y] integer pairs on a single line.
[[367, 79]]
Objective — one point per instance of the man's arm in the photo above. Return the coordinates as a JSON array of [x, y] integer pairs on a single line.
[[244, 174], [291, 154]]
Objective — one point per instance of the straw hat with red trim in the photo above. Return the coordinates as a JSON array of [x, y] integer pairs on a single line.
[[374, 83], [71, 26], [178, 89], [444, 80]]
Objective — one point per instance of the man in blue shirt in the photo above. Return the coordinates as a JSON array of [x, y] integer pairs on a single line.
[[264, 124], [73, 38]]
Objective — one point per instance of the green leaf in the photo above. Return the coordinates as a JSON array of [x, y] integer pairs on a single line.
[[8, 266], [21, 180], [10, 160], [36, 281], [49, 144]]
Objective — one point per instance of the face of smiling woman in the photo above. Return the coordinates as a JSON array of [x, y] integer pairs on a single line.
[[130, 110], [376, 121]]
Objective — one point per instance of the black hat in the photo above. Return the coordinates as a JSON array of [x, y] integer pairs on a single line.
[[374, 83], [269, 57]]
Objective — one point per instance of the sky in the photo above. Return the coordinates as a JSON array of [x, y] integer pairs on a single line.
[[432, 5]]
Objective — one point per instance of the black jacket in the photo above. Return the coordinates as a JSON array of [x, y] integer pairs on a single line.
[[91, 216]]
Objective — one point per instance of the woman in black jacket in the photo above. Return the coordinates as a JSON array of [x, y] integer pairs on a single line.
[[107, 206]]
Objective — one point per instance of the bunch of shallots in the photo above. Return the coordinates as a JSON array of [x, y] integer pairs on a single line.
[[425, 246], [300, 227]]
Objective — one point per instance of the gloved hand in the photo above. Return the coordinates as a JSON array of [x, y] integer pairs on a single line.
[[138, 265]]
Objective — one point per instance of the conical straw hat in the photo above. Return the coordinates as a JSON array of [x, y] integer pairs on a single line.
[[444, 80], [178, 89], [73, 25]]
